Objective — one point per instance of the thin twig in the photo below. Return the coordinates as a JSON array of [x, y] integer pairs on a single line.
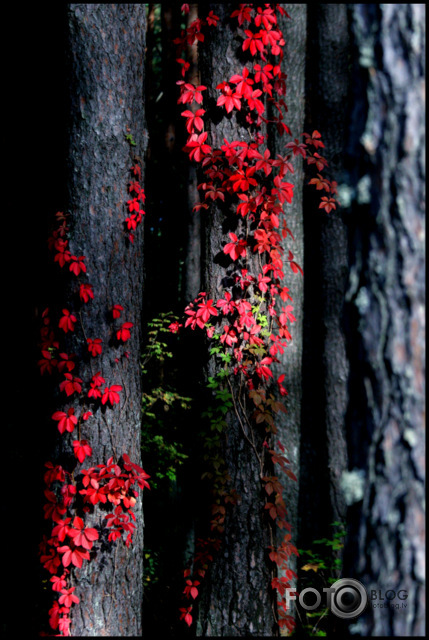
[[252, 444], [260, 460], [111, 438]]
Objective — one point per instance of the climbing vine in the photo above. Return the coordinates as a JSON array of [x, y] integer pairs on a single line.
[[248, 327], [72, 494]]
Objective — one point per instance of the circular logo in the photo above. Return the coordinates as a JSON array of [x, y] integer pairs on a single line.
[[349, 598]]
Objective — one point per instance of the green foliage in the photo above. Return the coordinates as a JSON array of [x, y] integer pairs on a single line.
[[155, 347], [150, 567], [163, 406], [129, 138], [214, 417], [321, 567], [222, 399], [323, 560]]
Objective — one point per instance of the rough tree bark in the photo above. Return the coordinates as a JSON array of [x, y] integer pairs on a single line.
[[325, 366], [236, 599], [106, 45], [192, 268], [289, 424], [386, 314]]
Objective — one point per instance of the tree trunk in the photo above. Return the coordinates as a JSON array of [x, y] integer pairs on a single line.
[[166, 234], [386, 315], [289, 424], [325, 366], [192, 268], [106, 54], [236, 599]]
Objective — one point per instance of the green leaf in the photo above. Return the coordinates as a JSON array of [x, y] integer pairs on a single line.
[[130, 139]]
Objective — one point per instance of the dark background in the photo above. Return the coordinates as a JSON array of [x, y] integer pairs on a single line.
[[33, 66]]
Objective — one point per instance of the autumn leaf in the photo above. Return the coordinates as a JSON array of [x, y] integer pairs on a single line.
[[310, 567], [111, 394], [77, 265], [83, 537], [68, 598], [124, 333], [81, 449], [185, 614], [67, 321], [116, 310], [236, 248], [94, 346], [66, 421]]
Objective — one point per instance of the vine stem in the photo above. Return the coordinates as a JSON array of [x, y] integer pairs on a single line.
[[251, 442], [86, 339], [111, 438], [260, 460]]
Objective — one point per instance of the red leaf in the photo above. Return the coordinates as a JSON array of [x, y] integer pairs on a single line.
[[94, 346], [67, 321], [85, 292], [81, 449], [111, 394], [124, 333], [66, 421], [116, 310], [185, 614], [77, 265], [236, 248]]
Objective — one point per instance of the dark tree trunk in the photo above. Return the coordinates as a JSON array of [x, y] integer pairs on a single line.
[[236, 599], [106, 54], [192, 268], [166, 234], [325, 366], [289, 424], [386, 315], [172, 186]]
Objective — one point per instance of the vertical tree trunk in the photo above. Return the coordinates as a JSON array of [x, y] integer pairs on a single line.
[[386, 313], [325, 366], [192, 269], [236, 599], [166, 235], [172, 187], [289, 424], [106, 54]]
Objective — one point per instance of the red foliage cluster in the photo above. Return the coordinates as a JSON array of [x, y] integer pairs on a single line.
[[247, 320], [115, 483], [135, 212]]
